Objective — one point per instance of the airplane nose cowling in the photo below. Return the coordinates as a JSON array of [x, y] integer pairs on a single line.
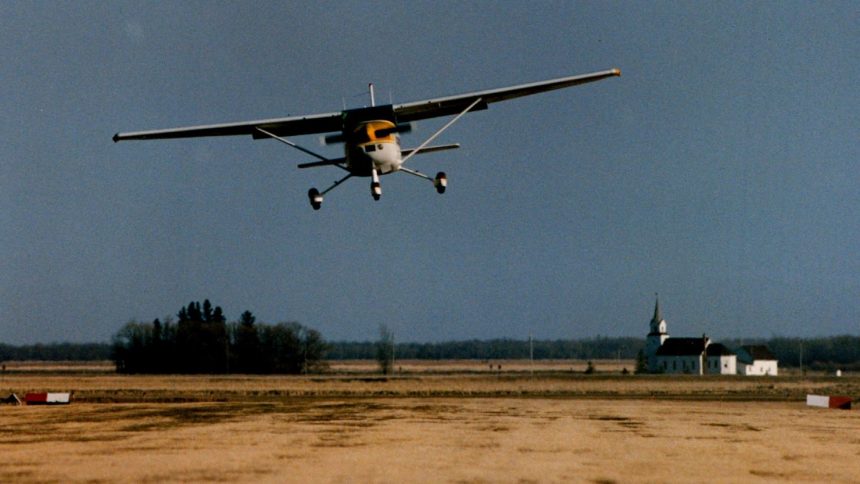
[[386, 158]]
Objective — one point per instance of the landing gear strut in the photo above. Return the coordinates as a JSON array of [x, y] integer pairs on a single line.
[[375, 187], [316, 197]]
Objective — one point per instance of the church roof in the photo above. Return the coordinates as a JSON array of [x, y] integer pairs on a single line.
[[751, 353], [719, 349], [682, 347]]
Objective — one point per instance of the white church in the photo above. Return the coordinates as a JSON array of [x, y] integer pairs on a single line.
[[699, 356]]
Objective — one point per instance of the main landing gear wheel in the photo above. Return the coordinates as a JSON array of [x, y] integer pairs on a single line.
[[440, 182], [376, 190], [315, 198]]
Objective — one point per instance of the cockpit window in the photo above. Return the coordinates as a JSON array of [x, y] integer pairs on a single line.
[[370, 148]]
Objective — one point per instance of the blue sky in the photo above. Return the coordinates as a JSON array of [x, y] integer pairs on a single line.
[[720, 170]]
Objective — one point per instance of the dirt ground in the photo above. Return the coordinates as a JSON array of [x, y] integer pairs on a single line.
[[427, 428], [430, 440]]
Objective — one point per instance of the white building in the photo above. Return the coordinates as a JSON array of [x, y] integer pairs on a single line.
[[698, 356], [721, 360], [683, 355], [757, 360]]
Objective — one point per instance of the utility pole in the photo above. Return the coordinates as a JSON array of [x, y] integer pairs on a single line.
[[801, 357], [531, 354]]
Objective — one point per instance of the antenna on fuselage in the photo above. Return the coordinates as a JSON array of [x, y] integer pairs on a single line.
[[372, 98]]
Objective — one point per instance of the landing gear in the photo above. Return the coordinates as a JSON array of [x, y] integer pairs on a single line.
[[315, 198], [440, 182], [375, 187]]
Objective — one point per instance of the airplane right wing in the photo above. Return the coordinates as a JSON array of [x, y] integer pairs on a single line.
[[449, 105]]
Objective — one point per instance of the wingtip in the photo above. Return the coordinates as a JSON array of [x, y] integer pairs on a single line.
[[616, 72], [115, 137]]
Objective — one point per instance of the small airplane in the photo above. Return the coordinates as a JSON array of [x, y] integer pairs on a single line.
[[370, 134]]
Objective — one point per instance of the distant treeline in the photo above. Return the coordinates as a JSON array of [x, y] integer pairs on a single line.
[[56, 352], [203, 342], [496, 349], [826, 353], [136, 343]]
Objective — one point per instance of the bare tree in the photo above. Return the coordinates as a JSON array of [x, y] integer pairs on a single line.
[[385, 350]]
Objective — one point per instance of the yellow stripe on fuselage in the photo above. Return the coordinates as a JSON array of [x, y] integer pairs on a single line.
[[368, 132]]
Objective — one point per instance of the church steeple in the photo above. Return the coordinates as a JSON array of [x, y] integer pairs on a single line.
[[657, 316], [658, 324], [656, 337]]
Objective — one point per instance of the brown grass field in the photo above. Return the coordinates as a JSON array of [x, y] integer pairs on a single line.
[[432, 422]]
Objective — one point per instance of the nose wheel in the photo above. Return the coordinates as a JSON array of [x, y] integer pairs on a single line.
[[440, 182], [315, 198], [375, 187]]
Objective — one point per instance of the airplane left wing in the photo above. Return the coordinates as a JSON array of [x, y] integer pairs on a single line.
[[292, 126], [445, 106]]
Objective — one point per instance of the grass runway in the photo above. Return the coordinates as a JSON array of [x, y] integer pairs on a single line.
[[434, 425]]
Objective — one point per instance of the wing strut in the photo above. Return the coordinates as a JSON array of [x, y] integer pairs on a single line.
[[338, 162], [290, 143], [437, 133]]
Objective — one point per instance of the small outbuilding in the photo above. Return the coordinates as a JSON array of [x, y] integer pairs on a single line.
[[721, 360], [756, 360]]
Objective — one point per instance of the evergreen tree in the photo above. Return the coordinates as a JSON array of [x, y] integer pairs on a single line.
[[641, 363], [201, 343], [208, 315], [247, 345]]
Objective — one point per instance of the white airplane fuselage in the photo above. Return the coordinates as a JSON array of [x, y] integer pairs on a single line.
[[365, 149]]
